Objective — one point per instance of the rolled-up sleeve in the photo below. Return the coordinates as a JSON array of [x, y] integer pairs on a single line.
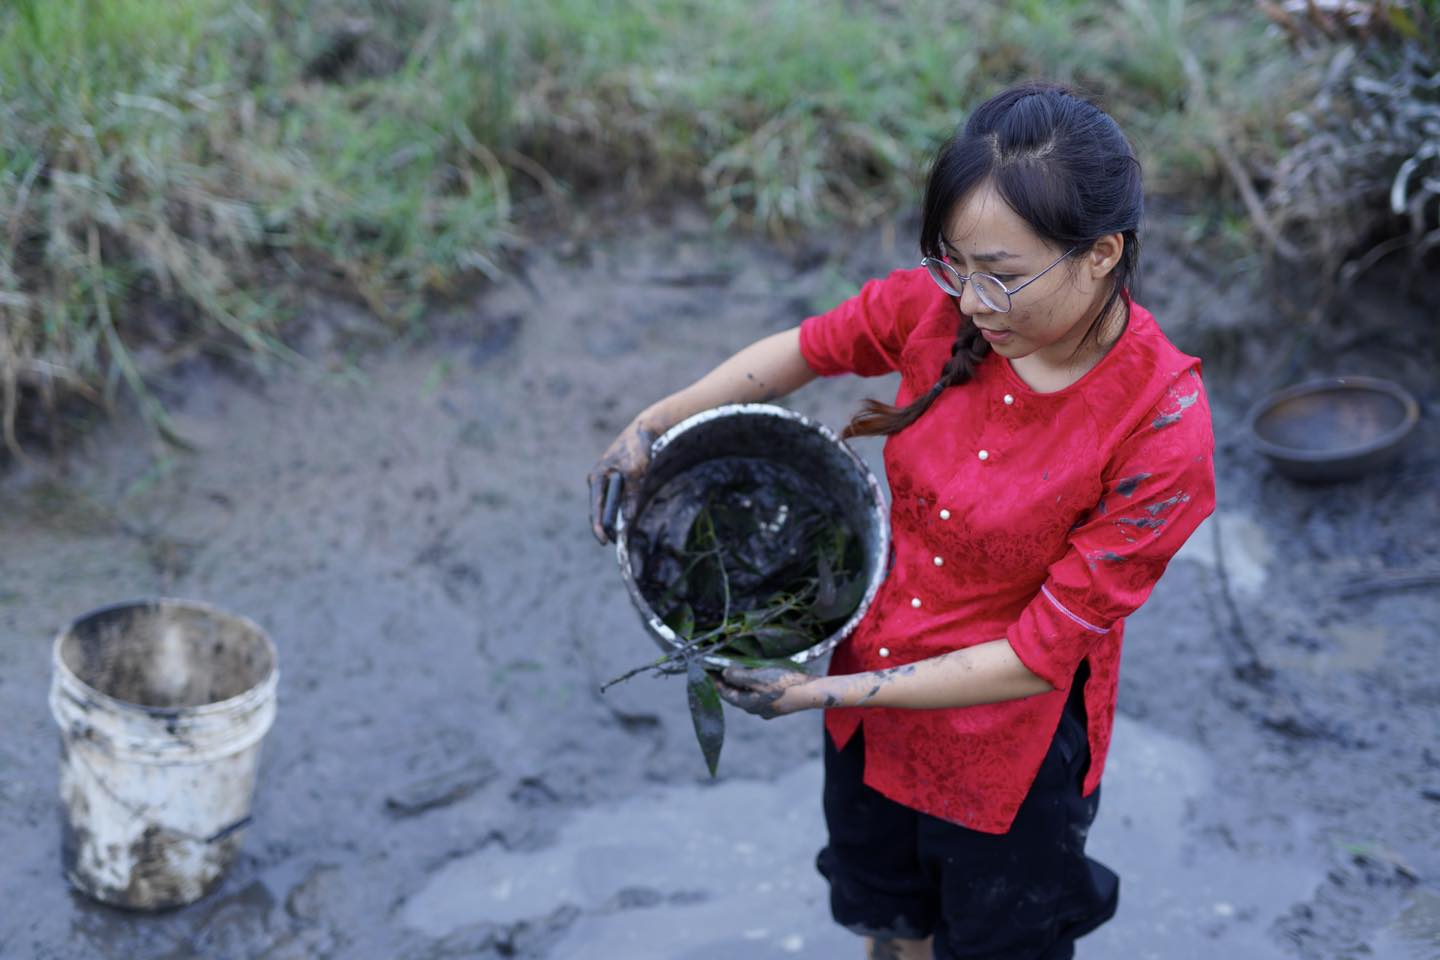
[[1158, 487], [865, 334]]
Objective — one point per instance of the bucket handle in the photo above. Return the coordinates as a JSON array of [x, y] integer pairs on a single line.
[[224, 832]]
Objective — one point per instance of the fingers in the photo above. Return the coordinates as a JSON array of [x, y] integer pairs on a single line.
[[605, 500], [762, 702], [597, 507], [735, 678], [613, 488], [729, 693], [610, 494]]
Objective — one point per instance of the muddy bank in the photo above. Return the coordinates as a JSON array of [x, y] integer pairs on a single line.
[[410, 528]]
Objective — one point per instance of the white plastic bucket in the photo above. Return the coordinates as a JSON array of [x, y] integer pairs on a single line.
[[162, 705]]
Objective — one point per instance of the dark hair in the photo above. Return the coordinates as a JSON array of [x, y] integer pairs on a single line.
[[1062, 164]]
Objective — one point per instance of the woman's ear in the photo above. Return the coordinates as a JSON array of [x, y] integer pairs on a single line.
[[1104, 255]]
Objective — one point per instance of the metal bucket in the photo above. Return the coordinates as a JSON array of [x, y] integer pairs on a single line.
[[778, 434], [162, 705]]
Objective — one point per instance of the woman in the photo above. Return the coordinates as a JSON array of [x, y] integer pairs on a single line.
[[1048, 452]]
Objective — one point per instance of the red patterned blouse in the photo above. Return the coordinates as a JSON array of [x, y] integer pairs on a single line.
[[1044, 518]]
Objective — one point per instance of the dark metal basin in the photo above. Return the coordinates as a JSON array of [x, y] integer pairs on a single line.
[[1338, 428]]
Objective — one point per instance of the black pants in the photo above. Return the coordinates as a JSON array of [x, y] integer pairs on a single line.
[[1023, 895]]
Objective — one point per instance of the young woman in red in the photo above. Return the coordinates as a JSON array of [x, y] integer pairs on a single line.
[[1047, 454]]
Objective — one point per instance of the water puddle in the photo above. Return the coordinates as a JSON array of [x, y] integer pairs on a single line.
[[724, 870], [1173, 881]]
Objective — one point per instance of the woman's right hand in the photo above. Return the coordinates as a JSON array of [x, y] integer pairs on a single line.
[[762, 372], [615, 479]]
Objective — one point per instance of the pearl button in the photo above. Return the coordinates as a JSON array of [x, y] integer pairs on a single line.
[[939, 561], [915, 602], [984, 454], [884, 651], [944, 514], [1009, 399]]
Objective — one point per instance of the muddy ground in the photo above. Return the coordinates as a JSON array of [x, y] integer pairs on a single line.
[[444, 780]]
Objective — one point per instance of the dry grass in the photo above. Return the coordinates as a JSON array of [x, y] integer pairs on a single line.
[[1362, 177], [186, 153]]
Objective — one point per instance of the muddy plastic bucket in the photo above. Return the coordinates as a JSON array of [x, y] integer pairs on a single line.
[[162, 705], [809, 448]]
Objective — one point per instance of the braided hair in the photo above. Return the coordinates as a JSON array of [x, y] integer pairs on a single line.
[[1062, 164]]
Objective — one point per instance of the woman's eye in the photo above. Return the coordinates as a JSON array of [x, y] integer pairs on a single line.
[[1005, 278]]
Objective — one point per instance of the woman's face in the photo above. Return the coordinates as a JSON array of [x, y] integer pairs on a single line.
[[1049, 318]]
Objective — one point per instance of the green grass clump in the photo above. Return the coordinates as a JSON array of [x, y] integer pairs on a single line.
[[192, 153], [111, 179]]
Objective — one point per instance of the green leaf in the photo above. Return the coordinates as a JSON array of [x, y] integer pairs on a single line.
[[1402, 22], [705, 712], [778, 641], [848, 594], [682, 620], [751, 620], [744, 646], [825, 591]]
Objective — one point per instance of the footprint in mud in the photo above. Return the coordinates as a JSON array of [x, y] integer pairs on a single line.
[[644, 898]]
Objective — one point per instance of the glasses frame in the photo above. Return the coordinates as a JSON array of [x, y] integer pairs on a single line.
[[957, 289]]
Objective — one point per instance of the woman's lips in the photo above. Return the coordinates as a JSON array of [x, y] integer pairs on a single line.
[[995, 336]]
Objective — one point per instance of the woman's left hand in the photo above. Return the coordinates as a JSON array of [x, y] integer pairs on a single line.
[[767, 692]]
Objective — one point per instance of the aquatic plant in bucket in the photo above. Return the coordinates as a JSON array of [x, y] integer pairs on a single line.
[[759, 538]]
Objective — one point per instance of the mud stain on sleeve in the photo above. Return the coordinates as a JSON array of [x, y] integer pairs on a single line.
[[1109, 556], [1127, 485], [1169, 419], [1165, 506]]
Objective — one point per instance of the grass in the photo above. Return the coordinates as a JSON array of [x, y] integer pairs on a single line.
[[191, 154], [1361, 178]]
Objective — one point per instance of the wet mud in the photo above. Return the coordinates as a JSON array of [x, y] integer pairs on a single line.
[[748, 535], [445, 779]]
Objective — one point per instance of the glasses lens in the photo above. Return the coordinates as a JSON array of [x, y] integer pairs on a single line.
[[990, 292], [944, 275]]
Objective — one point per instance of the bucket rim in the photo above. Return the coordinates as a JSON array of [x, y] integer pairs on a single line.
[[257, 691], [877, 504]]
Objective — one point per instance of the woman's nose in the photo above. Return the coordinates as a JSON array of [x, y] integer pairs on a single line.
[[970, 303]]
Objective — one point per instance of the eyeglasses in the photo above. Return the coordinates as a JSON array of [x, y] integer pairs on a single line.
[[988, 288]]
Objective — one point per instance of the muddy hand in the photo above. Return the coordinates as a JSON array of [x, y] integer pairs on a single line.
[[767, 692], [615, 480]]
